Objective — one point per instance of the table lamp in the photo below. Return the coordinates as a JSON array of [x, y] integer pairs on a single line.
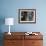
[[9, 21]]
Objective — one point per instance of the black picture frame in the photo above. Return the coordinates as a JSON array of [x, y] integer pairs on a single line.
[[27, 16]]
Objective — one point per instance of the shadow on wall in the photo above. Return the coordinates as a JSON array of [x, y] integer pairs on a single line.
[[2, 21]]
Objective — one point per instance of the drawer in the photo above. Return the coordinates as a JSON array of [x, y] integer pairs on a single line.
[[9, 43], [19, 42], [19, 37], [33, 43], [34, 37], [13, 43], [16, 37], [37, 43]]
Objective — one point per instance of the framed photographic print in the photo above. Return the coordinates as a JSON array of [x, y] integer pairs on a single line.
[[27, 16]]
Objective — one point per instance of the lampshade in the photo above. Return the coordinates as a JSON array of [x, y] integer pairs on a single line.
[[9, 21]]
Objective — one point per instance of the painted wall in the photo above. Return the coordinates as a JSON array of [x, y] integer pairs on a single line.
[[9, 8]]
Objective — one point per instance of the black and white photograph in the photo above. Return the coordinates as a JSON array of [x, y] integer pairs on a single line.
[[27, 15]]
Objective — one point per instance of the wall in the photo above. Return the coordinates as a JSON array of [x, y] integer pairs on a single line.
[[9, 8]]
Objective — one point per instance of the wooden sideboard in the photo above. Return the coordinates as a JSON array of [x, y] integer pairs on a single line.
[[20, 39]]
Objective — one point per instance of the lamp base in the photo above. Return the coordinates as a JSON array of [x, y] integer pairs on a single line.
[[9, 33]]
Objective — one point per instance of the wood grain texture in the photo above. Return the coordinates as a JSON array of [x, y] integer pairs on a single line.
[[20, 39]]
